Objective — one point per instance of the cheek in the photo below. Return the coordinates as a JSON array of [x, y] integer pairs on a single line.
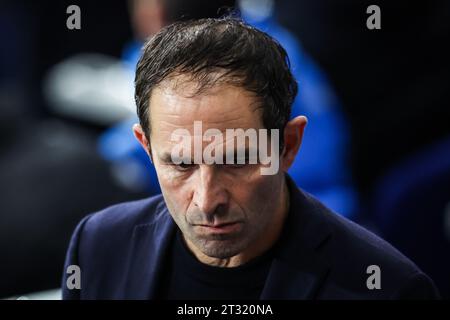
[[176, 191], [257, 195]]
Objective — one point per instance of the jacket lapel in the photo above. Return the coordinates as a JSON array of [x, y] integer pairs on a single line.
[[286, 282], [149, 249], [300, 266]]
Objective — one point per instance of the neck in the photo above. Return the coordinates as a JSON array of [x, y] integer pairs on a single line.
[[267, 238]]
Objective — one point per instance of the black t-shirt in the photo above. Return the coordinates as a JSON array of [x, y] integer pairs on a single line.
[[187, 278]]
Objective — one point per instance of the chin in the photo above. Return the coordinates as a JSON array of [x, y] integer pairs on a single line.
[[221, 249]]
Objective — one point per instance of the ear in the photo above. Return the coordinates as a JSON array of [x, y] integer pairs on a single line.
[[140, 136], [293, 136]]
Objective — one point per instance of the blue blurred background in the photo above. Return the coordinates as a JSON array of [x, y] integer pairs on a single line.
[[376, 149]]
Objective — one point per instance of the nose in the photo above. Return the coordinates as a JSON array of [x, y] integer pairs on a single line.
[[209, 195]]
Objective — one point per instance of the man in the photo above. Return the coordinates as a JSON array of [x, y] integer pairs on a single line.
[[227, 229]]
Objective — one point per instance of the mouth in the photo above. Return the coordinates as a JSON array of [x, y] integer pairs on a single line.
[[221, 228]]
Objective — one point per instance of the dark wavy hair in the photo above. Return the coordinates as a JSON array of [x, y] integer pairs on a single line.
[[243, 56]]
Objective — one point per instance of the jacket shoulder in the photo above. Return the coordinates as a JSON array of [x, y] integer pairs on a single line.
[[356, 253], [125, 216], [101, 243], [352, 239]]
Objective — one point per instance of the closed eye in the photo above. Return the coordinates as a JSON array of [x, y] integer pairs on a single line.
[[184, 166], [235, 166]]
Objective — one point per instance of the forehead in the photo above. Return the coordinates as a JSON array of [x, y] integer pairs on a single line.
[[177, 104]]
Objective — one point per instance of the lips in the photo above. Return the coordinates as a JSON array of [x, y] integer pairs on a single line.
[[227, 227], [218, 225]]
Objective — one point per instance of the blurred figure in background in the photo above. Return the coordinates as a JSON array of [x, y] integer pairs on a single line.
[[328, 178]]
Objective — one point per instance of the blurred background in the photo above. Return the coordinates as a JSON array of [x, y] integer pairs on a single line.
[[376, 149]]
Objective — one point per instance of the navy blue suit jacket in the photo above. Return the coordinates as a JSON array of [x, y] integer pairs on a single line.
[[121, 252]]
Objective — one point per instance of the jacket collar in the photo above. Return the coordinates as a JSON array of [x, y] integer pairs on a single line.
[[300, 265], [150, 247], [298, 270]]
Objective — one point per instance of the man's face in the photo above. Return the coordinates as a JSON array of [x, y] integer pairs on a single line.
[[221, 209]]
